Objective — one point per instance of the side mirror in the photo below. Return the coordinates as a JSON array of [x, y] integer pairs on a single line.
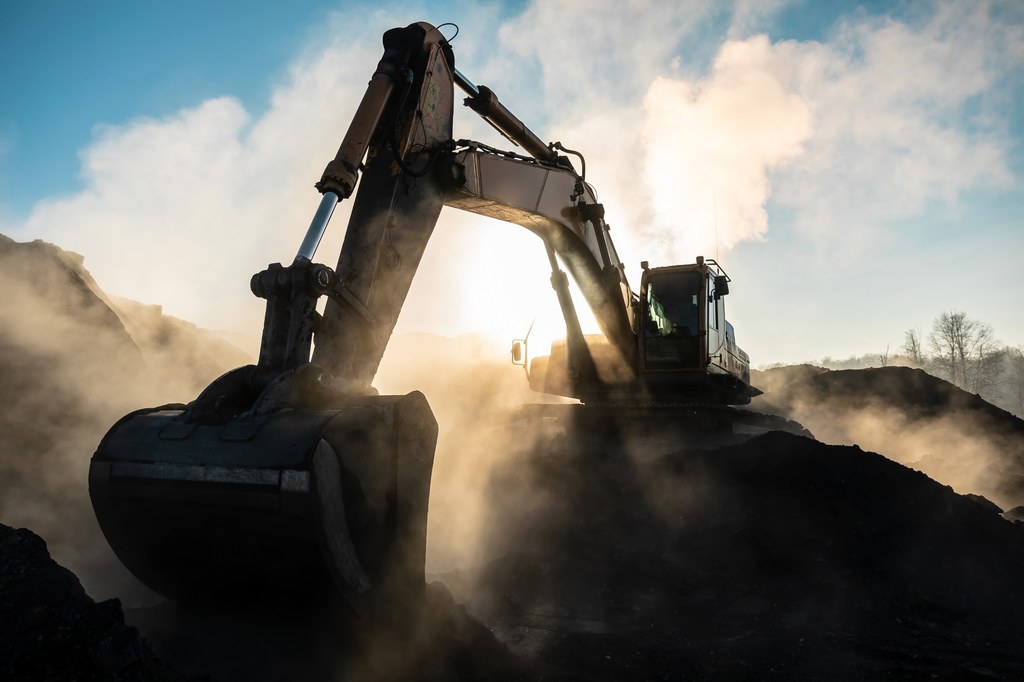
[[721, 286], [519, 352]]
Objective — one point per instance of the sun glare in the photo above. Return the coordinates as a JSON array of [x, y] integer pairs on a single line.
[[496, 282]]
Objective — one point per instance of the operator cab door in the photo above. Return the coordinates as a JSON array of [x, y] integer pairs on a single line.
[[675, 315]]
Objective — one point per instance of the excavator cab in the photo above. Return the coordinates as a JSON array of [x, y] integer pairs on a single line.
[[686, 346], [686, 351], [673, 301]]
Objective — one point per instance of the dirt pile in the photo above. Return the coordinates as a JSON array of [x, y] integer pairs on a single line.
[[180, 357], [53, 631], [955, 437], [780, 558], [433, 640]]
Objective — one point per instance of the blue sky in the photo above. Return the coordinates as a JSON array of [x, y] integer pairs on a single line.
[[855, 166], [70, 66]]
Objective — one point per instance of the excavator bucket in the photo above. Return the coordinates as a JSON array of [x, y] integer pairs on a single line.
[[279, 505]]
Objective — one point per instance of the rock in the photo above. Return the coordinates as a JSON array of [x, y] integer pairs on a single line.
[[54, 631]]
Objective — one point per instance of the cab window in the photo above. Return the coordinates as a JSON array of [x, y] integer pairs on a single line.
[[672, 326]]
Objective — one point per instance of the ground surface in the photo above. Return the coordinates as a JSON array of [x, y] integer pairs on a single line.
[[780, 558], [53, 631], [610, 554], [914, 418]]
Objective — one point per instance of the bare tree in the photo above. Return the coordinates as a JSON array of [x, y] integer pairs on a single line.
[[984, 372], [1015, 379], [964, 351], [912, 347]]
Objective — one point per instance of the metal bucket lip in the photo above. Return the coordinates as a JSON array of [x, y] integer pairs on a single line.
[[280, 440]]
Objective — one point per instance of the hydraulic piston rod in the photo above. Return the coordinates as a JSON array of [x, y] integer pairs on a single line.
[[483, 101], [317, 227]]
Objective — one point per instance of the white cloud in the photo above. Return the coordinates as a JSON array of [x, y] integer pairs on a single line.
[[183, 210], [709, 148], [597, 55], [884, 121], [892, 133]]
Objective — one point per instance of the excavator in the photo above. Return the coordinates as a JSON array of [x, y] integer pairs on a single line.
[[293, 475]]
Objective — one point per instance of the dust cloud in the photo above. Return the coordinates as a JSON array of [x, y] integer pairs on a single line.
[[73, 362], [910, 417], [474, 391], [76, 360]]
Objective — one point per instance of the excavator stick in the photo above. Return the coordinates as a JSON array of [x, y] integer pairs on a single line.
[[292, 475]]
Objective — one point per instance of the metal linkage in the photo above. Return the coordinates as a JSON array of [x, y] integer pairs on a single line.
[[483, 101]]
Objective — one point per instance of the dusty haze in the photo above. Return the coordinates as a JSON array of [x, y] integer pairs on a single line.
[[75, 361], [911, 417]]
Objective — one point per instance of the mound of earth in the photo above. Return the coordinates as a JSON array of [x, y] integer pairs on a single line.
[[779, 558], [909, 416], [52, 630], [51, 302]]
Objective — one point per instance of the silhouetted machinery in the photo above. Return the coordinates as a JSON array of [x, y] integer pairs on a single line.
[[292, 474]]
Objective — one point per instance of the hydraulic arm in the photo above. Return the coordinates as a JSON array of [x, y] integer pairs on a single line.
[[292, 473]]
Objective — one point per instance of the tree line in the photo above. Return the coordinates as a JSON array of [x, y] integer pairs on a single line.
[[965, 352], [961, 350]]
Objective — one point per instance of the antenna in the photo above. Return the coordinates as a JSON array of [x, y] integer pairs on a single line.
[[714, 198]]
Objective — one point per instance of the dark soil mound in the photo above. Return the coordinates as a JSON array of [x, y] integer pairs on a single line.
[[910, 416], [780, 558], [52, 306], [913, 391], [52, 630], [433, 640]]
